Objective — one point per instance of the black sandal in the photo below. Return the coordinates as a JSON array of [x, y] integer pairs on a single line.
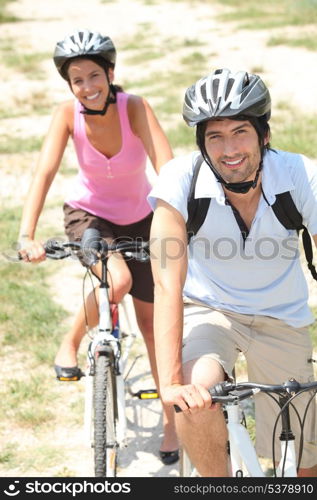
[[71, 374], [169, 457]]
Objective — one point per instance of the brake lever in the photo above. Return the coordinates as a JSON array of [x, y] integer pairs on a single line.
[[140, 256], [53, 250]]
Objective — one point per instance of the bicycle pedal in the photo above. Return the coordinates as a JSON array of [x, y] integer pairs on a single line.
[[146, 394], [72, 374], [68, 379]]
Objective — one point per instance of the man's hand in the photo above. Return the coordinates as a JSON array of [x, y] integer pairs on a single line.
[[189, 398]]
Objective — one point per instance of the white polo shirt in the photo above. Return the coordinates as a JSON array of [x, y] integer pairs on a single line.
[[259, 275]]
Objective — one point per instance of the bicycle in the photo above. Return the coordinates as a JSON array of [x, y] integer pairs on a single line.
[[107, 355], [241, 451]]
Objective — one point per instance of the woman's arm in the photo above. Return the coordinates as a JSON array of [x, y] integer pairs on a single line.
[[145, 125], [48, 164]]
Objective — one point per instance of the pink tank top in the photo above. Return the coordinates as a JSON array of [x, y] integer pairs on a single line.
[[112, 188]]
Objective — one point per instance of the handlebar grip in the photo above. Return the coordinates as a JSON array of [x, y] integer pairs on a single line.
[[91, 243]]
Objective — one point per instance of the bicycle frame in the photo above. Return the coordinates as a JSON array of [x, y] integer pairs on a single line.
[[242, 455], [242, 451], [241, 447], [105, 422], [104, 337]]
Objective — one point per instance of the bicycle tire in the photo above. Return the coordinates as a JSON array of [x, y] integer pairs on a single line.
[[105, 443]]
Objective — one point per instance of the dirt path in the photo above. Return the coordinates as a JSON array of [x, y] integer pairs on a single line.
[[127, 22]]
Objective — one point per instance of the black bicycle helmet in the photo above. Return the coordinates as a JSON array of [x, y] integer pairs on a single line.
[[83, 43], [223, 94]]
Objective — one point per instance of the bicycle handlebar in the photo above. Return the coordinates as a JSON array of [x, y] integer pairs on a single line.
[[94, 248], [231, 392], [59, 250]]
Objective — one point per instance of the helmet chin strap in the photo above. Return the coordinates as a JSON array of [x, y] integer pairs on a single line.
[[244, 187], [235, 187]]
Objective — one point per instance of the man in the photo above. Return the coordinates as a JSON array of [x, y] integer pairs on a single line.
[[240, 278]]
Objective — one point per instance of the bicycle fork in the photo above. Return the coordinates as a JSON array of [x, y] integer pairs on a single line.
[[241, 448]]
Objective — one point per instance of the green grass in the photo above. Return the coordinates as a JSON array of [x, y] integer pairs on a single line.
[[30, 331], [306, 41], [14, 145], [43, 457], [37, 103], [5, 16], [26, 400], [195, 59], [182, 136], [29, 319], [143, 56], [295, 132], [28, 64], [270, 14], [7, 453], [141, 40]]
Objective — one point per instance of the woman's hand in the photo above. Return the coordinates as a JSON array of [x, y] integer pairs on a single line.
[[31, 250]]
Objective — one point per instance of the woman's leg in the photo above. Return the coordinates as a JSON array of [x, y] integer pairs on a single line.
[[144, 316], [120, 281]]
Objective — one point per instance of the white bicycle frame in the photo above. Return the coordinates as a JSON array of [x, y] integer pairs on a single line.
[[242, 451], [103, 332], [244, 461]]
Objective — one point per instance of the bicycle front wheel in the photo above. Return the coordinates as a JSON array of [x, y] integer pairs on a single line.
[[105, 443]]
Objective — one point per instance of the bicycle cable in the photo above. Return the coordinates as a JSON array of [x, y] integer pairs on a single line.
[[301, 425]]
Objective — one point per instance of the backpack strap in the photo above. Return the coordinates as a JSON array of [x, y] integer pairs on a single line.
[[197, 208], [288, 215]]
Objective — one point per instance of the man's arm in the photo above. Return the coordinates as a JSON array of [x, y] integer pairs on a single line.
[[169, 264]]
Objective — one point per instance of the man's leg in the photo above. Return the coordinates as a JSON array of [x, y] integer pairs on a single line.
[[277, 353], [203, 434]]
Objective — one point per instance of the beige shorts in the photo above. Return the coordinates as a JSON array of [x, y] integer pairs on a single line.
[[274, 352]]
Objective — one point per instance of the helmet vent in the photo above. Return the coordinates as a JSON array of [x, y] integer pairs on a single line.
[[84, 43], [223, 94], [215, 88], [229, 87], [246, 80], [204, 92]]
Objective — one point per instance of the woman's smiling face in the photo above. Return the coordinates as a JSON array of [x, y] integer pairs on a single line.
[[89, 83]]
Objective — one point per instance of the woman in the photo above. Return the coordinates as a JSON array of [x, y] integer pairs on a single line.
[[113, 133]]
